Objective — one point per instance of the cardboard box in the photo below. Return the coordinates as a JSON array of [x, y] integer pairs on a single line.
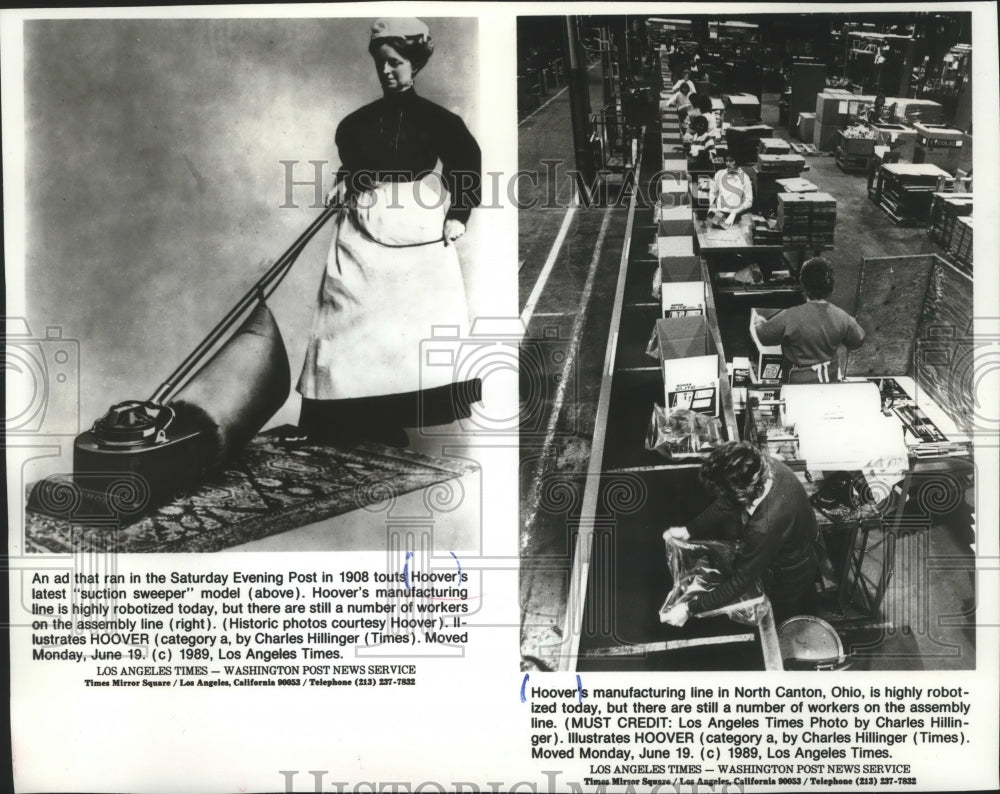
[[739, 380], [774, 146], [679, 245], [807, 122], [674, 193], [681, 268], [675, 221], [825, 136], [741, 108], [690, 362], [674, 168], [940, 145], [769, 364], [837, 109], [683, 298], [796, 184], [676, 216], [856, 147]]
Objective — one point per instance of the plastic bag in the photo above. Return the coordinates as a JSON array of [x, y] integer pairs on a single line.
[[700, 566], [750, 274], [681, 432], [653, 346]]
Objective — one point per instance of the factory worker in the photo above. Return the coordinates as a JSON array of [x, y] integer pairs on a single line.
[[811, 334], [701, 105], [730, 195], [680, 99], [685, 80], [759, 501], [703, 152]]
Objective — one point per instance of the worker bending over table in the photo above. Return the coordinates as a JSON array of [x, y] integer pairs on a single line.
[[680, 99], [730, 195], [759, 501], [810, 334]]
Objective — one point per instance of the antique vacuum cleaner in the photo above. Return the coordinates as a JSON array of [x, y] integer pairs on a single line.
[[143, 453]]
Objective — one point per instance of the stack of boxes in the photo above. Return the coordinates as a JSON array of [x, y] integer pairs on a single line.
[[836, 108], [961, 243], [764, 233], [904, 191], [946, 209], [771, 167], [782, 166], [912, 111], [773, 146], [807, 220]]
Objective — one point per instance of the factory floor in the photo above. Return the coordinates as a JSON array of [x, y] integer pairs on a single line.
[[926, 619]]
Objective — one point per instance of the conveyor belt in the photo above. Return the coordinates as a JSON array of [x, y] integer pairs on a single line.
[[619, 577]]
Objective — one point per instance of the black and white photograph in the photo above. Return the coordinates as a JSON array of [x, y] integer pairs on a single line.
[[758, 253], [501, 397], [251, 247]]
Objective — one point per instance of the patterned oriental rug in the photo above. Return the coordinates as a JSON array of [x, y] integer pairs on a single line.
[[271, 488]]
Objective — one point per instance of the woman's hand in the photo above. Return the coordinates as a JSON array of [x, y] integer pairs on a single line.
[[453, 229], [679, 533]]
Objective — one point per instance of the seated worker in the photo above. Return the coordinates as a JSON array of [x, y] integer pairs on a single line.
[[730, 195], [681, 99], [761, 502], [685, 80], [701, 105], [811, 334], [702, 154]]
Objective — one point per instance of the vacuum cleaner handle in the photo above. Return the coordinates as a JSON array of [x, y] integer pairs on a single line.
[[259, 292]]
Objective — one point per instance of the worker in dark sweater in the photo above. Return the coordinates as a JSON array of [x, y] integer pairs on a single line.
[[811, 334], [759, 501]]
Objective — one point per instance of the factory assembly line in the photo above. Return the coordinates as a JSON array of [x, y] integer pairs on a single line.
[[666, 327]]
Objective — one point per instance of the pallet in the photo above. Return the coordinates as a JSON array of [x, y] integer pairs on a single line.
[[853, 163], [900, 220], [803, 148]]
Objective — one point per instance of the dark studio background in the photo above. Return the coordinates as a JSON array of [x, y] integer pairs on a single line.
[[154, 183]]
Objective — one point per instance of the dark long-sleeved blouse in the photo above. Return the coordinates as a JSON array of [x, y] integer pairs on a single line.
[[779, 534], [401, 137]]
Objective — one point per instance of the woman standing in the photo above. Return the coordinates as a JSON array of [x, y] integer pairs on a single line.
[[812, 333], [393, 275]]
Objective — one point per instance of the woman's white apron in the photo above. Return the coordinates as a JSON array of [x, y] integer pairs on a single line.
[[390, 283]]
